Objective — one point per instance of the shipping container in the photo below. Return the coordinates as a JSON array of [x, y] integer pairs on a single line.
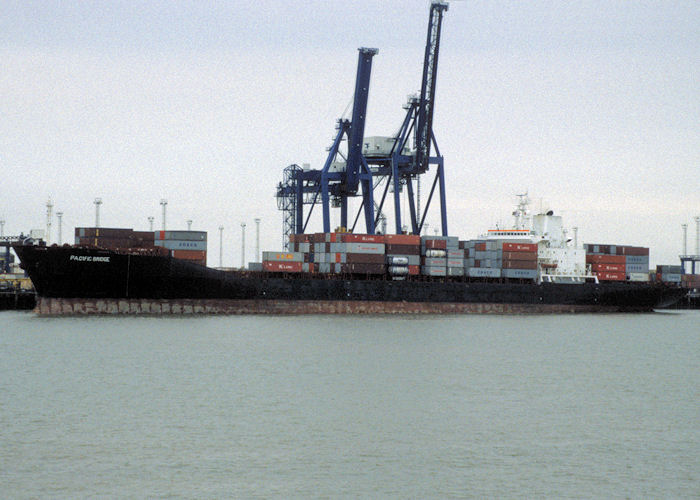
[[671, 278], [610, 276], [455, 271], [519, 264], [363, 258], [519, 247], [413, 270], [376, 248], [281, 266], [631, 251], [434, 253], [455, 262], [605, 259], [402, 239], [364, 268], [484, 272], [433, 270], [527, 274], [639, 276], [435, 261], [189, 254], [402, 249], [283, 256], [613, 268], [362, 238], [181, 244], [435, 244], [395, 260], [455, 254], [413, 260], [519, 256], [181, 235], [398, 270]]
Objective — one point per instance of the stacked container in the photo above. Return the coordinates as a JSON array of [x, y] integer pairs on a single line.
[[402, 254], [690, 281], [519, 260], [113, 238], [669, 274], [288, 262], [618, 262], [433, 255], [185, 245]]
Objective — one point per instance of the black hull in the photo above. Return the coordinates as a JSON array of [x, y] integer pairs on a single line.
[[107, 280]]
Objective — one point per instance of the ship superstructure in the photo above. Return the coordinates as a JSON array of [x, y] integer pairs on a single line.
[[558, 261]]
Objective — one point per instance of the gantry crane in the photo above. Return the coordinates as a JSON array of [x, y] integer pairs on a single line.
[[391, 159]]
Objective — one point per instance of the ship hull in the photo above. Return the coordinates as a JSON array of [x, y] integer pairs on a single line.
[[72, 280]]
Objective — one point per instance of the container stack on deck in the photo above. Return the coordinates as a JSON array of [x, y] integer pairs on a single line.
[[185, 245], [403, 254], [113, 238], [669, 274], [618, 262]]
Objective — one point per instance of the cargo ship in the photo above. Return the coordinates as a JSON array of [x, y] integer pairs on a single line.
[[529, 268]]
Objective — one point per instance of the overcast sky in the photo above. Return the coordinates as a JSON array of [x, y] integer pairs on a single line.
[[591, 107]]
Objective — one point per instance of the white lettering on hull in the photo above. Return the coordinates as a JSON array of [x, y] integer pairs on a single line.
[[88, 258]]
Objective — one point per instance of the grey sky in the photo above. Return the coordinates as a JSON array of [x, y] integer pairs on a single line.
[[592, 107]]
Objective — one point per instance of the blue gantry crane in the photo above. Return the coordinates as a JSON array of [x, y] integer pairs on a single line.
[[369, 162]]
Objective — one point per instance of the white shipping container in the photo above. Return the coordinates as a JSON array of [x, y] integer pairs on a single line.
[[373, 248], [639, 276], [433, 270], [455, 271], [484, 272], [182, 245], [436, 253], [436, 262], [413, 260]]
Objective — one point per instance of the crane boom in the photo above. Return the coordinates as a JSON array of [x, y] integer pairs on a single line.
[[424, 129]]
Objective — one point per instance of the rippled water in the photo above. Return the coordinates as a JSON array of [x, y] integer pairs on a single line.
[[332, 406]]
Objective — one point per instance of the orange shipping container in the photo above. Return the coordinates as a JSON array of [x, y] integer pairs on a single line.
[[414, 270], [605, 259], [519, 247]]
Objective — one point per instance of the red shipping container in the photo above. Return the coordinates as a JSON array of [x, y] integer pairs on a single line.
[[624, 250], [402, 239], [519, 247], [613, 268], [605, 259], [398, 249], [480, 247], [190, 254], [413, 270], [362, 238], [519, 255], [607, 276], [363, 258], [436, 244], [289, 267]]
